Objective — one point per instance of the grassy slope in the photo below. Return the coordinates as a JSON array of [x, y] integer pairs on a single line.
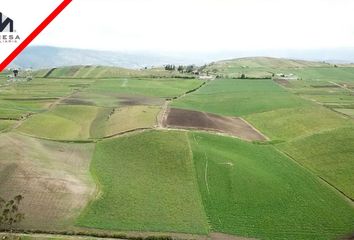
[[328, 154], [14, 109], [259, 67], [53, 177], [65, 122], [5, 124], [326, 74], [239, 97], [147, 183], [252, 190], [106, 72]]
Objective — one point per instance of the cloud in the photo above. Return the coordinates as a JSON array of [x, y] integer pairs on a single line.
[[203, 25]]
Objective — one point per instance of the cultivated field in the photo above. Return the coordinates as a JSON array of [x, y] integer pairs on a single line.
[[232, 97], [237, 127], [263, 151], [147, 183], [256, 191]]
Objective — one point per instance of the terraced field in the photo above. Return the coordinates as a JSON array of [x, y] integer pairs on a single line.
[[104, 150]]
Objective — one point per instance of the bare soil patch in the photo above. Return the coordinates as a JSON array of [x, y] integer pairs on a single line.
[[139, 100], [325, 86], [237, 127], [77, 101], [283, 82], [222, 236]]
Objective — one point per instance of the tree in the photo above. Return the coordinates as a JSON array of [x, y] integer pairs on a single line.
[[180, 68], [190, 68], [243, 76], [10, 213], [15, 71], [170, 67]]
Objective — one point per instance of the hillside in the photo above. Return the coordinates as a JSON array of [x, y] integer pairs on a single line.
[[260, 67], [47, 57]]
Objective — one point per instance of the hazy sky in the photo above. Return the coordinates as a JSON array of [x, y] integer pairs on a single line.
[[202, 25]]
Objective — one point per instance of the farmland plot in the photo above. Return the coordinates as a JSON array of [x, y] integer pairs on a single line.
[[254, 191], [147, 183]]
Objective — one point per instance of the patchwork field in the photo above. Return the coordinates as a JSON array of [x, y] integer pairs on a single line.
[[153, 153], [95, 72]]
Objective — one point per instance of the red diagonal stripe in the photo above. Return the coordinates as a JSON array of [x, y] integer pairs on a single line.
[[34, 34]]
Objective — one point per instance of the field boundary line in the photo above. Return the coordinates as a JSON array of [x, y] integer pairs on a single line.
[[324, 131], [209, 131], [321, 179], [341, 86], [59, 236], [254, 128], [195, 176]]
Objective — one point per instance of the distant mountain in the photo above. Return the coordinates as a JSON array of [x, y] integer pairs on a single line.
[[47, 57]]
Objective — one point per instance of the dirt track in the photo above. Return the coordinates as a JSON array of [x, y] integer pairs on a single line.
[[179, 118]]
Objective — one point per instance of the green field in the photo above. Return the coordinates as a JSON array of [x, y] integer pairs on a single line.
[[112, 121], [239, 97], [255, 191], [285, 124], [65, 122], [329, 155], [163, 88], [147, 183]]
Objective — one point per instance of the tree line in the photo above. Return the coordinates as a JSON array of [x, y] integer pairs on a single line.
[[184, 69]]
